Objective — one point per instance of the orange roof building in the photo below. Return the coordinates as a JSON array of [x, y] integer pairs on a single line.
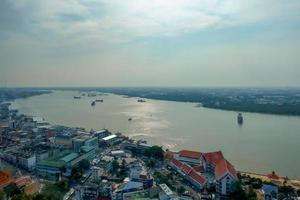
[[190, 154], [273, 175], [32, 188], [5, 178]]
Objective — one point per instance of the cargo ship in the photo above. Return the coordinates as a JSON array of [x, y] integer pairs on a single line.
[[240, 119]]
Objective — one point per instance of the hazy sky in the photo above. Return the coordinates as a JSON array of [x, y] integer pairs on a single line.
[[150, 43]]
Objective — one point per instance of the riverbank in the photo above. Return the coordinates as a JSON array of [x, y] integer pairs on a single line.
[[279, 101], [281, 181]]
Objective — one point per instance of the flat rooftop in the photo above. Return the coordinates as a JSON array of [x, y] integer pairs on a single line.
[[109, 137]]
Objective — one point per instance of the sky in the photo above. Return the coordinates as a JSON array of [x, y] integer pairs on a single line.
[[149, 43]]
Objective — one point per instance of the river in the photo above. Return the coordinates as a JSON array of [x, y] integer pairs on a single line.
[[262, 144]]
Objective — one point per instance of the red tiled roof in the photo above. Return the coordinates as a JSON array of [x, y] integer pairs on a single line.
[[5, 178], [186, 168], [224, 166], [169, 154], [177, 163], [190, 154], [104, 198], [22, 181], [198, 168], [273, 175], [197, 177], [214, 157]]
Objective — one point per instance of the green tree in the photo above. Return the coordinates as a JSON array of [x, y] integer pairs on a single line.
[[76, 173], [237, 191], [63, 185], [155, 152], [251, 194], [2, 195], [151, 163], [298, 192], [11, 190], [115, 166], [180, 190], [84, 164], [21, 196], [286, 190]]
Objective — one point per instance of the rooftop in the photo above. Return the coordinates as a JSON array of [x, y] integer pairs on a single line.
[[69, 157], [109, 137], [223, 167], [190, 154]]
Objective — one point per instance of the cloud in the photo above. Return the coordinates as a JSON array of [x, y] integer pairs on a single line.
[[119, 20]]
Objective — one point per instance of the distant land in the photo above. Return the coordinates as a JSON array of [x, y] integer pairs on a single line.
[[281, 101]]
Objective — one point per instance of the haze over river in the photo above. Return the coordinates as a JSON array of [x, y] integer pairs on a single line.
[[262, 144]]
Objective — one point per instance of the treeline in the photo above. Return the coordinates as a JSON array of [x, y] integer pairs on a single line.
[[54, 191], [220, 98]]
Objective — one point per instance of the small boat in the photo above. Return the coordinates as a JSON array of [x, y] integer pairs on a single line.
[[240, 119], [91, 95], [129, 119], [99, 100], [141, 100], [93, 103], [77, 97]]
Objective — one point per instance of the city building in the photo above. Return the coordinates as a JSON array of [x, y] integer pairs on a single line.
[[62, 163], [190, 157], [101, 133], [270, 192], [204, 169], [139, 173], [5, 179], [21, 158], [166, 193], [84, 140], [190, 174]]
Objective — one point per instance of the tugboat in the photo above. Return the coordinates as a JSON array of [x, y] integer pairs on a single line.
[[240, 119], [93, 103]]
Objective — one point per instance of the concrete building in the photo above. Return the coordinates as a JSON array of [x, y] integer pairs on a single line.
[[166, 193], [118, 153], [190, 157], [269, 192], [189, 173], [204, 169], [109, 140], [138, 173], [62, 163], [101, 133], [21, 158], [84, 140]]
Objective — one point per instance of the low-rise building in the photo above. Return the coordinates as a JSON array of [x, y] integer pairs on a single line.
[[5, 179], [204, 169], [61, 164], [84, 140], [21, 158], [270, 192], [139, 173]]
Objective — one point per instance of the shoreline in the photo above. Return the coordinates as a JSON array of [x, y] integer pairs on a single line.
[[132, 138], [295, 183]]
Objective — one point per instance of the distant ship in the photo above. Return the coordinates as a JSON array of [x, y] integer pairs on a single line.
[[93, 103], [141, 100], [99, 100], [91, 95], [77, 97], [240, 119]]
